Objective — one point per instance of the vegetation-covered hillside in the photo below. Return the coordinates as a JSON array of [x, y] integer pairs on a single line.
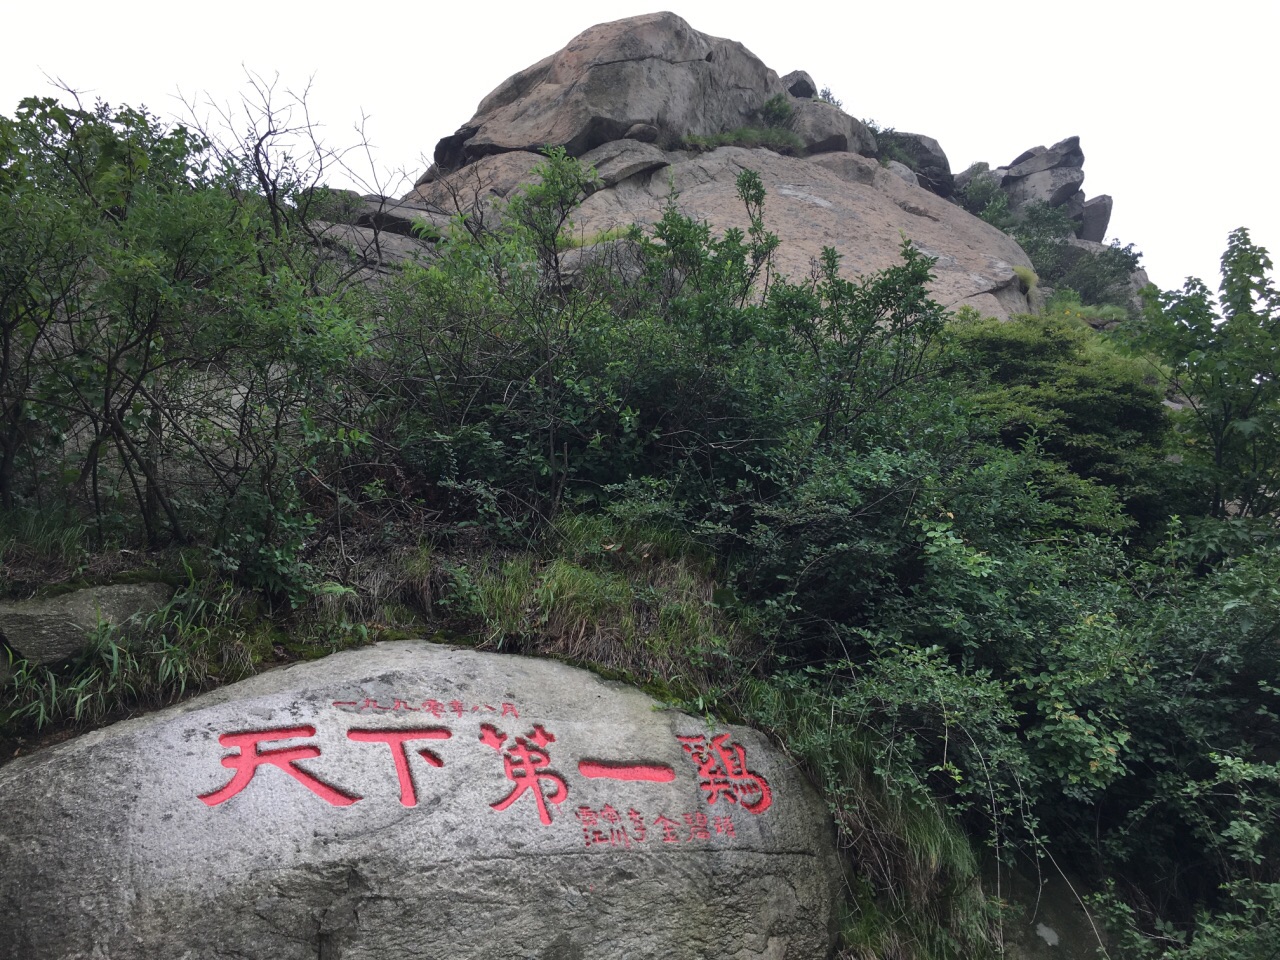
[[1003, 600]]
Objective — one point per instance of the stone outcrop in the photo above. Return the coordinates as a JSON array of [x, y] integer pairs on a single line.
[[623, 96], [825, 128], [799, 84], [1094, 219], [841, 200], [926, 157], [411, 799], [1052, 175], [654, 70], [45, 631]]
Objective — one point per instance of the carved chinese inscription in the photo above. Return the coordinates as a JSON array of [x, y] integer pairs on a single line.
[[395, 739], [723, 773], [721, 765], [251, 757], [608, 826], [437, 708], [526, 765]]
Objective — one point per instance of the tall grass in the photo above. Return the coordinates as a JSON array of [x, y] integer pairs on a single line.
[[914, 878], [196, 640]]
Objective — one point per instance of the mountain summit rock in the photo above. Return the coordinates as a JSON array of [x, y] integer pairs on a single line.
[[638, 100]]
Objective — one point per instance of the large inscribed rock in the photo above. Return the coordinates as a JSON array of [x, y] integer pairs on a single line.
[[415, 800]]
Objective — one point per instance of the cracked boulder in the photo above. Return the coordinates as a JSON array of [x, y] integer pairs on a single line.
[[412, 799], [652, 71]]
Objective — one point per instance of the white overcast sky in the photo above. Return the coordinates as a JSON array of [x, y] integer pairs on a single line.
[[1175, 103]]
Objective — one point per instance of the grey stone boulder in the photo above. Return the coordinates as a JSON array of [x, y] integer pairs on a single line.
[[415, 800], [478, 185], [619, 159], [1054, 187], [653, 69], [800, 85], [644, 132], [394, 216], [927, 159], [1049, 920], [1064, 153], [1095, 218], [1073, 206], [902, 172], [824, 128], [376, 252], [427, 175], [48, 630]]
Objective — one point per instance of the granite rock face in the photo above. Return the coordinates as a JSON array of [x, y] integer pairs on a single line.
[[928, 160], [840, 200], [415, 800], [654, 70], [623, 95], [1052, 175], [45, 631]]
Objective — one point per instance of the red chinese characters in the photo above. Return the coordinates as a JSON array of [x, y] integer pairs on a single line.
[[396, 739], [436, 708], [608, 827], [525, 765], [723, 773], [251, 756]]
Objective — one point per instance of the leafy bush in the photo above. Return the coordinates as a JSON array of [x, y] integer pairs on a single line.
[[826, 96], [1043, 232], [777, 111]]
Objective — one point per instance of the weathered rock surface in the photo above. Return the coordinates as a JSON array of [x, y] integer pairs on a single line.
[[616, 161], [1052, 175], [652, 69], [1054, 187], [839, 200], [1050, 922], [1095, 218], [1064, 153], [415, 800], [799, 84], [902, 172], [494, 177], [619, 86], [48, 630], [824, 128], [928, 160]]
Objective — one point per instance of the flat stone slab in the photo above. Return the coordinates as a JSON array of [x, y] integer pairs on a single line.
[[422, 799]]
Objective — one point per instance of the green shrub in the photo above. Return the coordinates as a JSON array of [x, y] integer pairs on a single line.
[[777, 139], [1026, 278], [777, 111]]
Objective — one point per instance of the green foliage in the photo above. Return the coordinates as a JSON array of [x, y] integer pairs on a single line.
[[161, 337], [777, 111], [1043, 232], [936, 556], [1056, 383], [983, 197], [194, 641], [778, 139], [1221, 362], [1027, 278], [891, 146], [826, 96]]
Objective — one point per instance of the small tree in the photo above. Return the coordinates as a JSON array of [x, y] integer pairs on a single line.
[[1223, 362]]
